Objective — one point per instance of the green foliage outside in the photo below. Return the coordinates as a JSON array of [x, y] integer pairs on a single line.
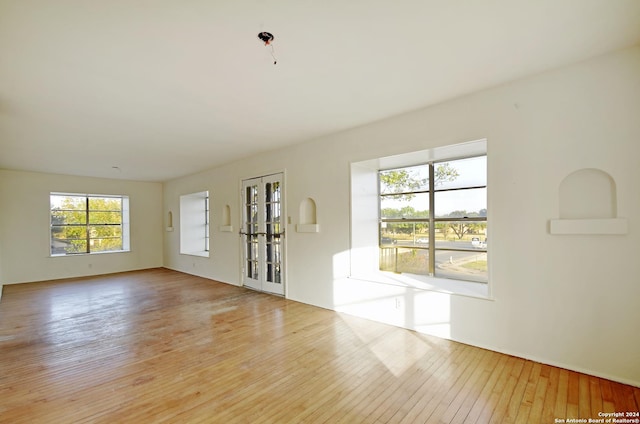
[[73, 230], [406, 180], [452, 231], [476, 265]]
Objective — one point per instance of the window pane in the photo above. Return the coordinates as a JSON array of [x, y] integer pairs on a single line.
[[62, 246], [251, 195], [69, 246], [273, 212], [415, 178], [471, 172], [272, 192], [105, 204], [70, 231], [409, 206], [461, 235], [105, 217], [461, 203], [65, 217], [404, 233], [469, 266], [402, 259], [105, 231], [105, 244], [59, 201]]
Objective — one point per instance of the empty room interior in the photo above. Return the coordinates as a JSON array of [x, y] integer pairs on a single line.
[[304, 211]]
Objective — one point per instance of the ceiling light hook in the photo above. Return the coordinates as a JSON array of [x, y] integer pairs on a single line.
[[267, 39]]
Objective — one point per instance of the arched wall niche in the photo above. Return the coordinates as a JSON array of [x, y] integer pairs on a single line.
[[225, 216], [588, 194], [307, 217], [588, 204], [170, 221]]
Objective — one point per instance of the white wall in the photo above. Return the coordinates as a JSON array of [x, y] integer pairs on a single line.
[[24, 227], [565, 300]]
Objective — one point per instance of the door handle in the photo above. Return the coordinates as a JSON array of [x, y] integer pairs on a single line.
[[242, 233]]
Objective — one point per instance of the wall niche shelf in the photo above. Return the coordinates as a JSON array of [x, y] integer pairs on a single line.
[[307, 216], [226, 226], [169, 221], [588, 205]]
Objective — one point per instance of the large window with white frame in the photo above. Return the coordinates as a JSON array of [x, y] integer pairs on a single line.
[[419, 219], [433, 219], [86, 223], [194, 224]]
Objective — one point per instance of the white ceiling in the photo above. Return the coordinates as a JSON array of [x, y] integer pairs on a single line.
[[165, 88]]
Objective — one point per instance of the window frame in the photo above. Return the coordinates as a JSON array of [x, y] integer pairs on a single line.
[[88, 225], [195, 224], [432, 220], [364, 251]]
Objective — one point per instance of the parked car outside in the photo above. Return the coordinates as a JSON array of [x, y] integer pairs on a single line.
[[387, 240], [478, 244]]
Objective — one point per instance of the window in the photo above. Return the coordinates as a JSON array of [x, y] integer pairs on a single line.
[[194, 224], [83, 223], [206, 222], [433, 219]]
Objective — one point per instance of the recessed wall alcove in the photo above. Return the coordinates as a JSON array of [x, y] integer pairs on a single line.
[[170, 221], [226, 219], [308, 221], [588, 204]]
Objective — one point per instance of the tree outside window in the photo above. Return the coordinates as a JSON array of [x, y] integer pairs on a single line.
[[87, 224], [433, 219]]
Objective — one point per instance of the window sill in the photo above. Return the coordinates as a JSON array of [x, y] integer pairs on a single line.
[[66, 255], [202, 254], [423, 282]]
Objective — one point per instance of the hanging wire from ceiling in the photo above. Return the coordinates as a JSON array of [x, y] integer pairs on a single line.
[[268, 38]]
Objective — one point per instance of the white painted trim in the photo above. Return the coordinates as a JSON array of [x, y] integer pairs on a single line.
[[552, 363]]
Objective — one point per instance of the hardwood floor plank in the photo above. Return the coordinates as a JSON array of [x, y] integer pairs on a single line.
[[537, 402], [506, 392], [518, 393], [595, 397], [608, 402], [584, 395], [549, 407], [159, 346], [573, 395], [424, 397], [484, 403]]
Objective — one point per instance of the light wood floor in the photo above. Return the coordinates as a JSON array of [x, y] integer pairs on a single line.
[[161, 346]]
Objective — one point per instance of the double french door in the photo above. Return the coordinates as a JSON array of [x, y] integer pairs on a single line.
[[263, 233]]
